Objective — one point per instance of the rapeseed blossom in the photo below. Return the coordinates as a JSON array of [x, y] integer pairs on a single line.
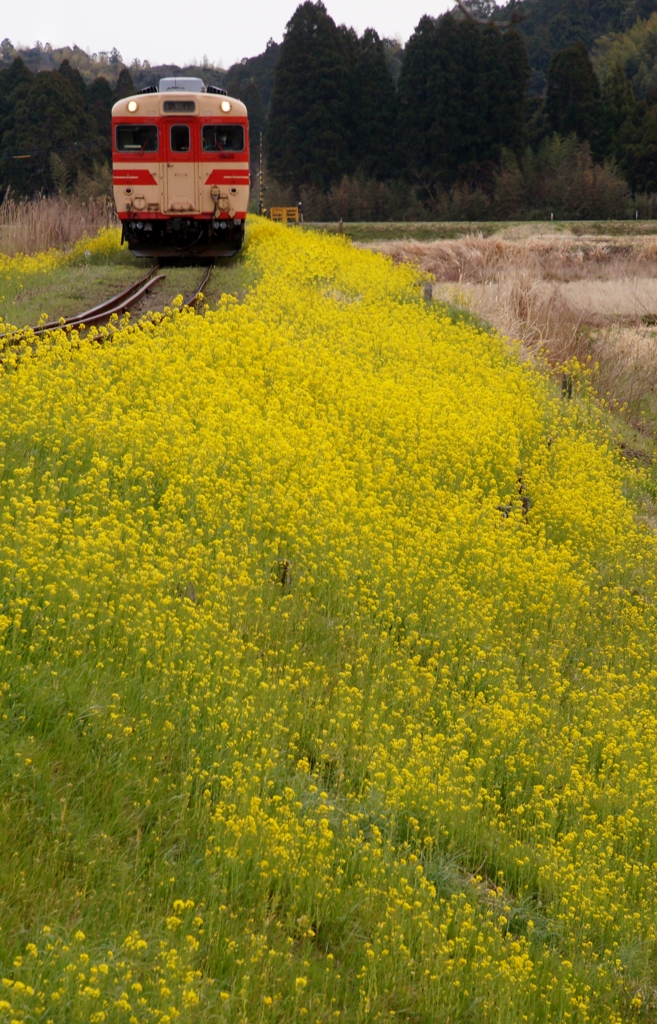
[[24, 265], [26, 270], [328, 669]]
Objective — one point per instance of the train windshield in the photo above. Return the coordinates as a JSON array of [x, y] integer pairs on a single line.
[[136, 138], [223, 138], [180, 138]]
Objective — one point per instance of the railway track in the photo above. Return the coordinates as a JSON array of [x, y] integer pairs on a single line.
[[193, 299], [98, 315]]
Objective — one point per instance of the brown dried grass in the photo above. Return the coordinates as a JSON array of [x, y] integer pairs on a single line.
[[523, 308], [476, 259], [47, 222]]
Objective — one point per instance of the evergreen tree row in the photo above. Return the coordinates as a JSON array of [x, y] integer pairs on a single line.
[[332, 109], [53, 126], [462, 98], [461, 106], [554, 25], [451, 111]]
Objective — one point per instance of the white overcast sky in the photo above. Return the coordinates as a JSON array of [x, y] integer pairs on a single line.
[[168, 31]]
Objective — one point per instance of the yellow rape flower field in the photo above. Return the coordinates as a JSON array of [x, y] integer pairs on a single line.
[[25, 266], [328, 670]]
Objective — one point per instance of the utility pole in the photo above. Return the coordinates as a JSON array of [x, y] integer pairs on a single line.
[[261, 198]]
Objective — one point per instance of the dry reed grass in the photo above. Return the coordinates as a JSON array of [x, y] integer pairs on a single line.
[[46, 222], [590, 299], [476, 259]]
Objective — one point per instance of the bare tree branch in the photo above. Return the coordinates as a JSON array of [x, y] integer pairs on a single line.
[[516, 17]]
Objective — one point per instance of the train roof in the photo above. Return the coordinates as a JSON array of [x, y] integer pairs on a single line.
[[182, 84], [158, 103]]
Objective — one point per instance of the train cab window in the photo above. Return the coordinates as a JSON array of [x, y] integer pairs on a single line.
[[180, 140], [136, 138], [223, 138]]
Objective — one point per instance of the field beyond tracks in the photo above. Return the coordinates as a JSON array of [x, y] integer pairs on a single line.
[[328, 671], [571, 293]]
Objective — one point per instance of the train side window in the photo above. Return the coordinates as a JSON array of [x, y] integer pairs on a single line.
[[180, 142], [136, 138], [223, 138]]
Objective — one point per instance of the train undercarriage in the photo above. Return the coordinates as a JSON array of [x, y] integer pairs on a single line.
[[183, 236]]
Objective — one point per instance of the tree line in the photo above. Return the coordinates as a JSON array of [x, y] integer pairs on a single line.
[[55, 129], [55, 123], [554, 25], [460, 128], [355, 125]]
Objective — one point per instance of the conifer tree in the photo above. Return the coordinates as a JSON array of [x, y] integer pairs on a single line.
[[462, 92], [73, 77], [309, 133], [512, 101], [14, 81], [635, 146], [572, 104], [100, 100], [261, 69], [416, 99], [374, 109], [48, 117], [124, 85], [483, 84]]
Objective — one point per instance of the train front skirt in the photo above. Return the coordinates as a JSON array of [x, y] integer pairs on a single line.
[[183, 236]]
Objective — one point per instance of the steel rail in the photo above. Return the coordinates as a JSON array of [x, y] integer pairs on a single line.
[[193, 299], [92, 317]]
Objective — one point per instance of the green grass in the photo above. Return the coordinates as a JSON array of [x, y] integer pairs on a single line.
[[74, 288], [63, 292]]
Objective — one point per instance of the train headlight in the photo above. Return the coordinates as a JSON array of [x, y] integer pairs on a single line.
[[226, 106], [132, 106]]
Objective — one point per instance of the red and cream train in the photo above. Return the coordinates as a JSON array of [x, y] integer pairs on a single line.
[[181, 169]]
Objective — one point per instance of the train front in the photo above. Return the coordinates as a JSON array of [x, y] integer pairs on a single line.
[[181, 169]]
